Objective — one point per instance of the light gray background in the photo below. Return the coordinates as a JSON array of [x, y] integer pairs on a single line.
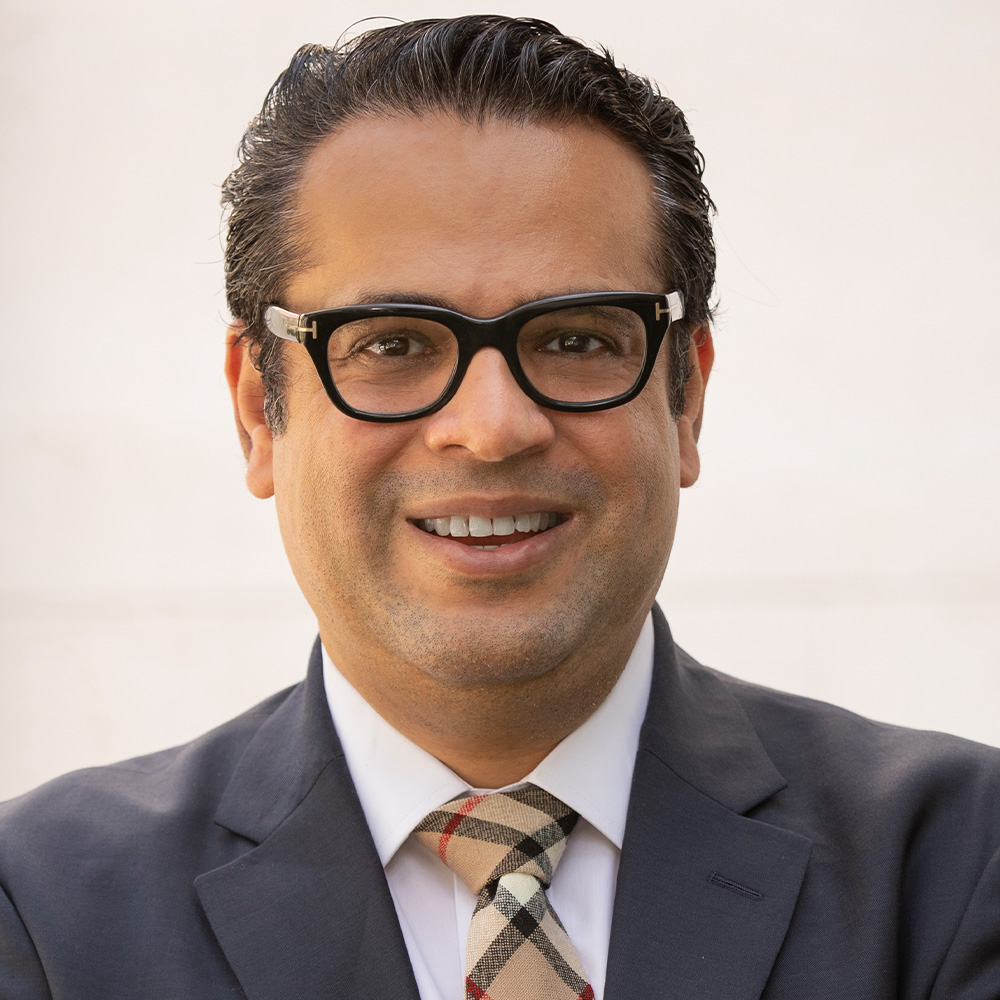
[[843, 540]]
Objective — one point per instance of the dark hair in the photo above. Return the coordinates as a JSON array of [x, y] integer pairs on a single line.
[[477, 67]]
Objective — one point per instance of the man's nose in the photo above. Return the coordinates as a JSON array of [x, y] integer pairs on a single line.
[[489, 417]]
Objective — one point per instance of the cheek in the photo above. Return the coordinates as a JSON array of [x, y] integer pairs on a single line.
[[656, 448], [634, 450], [329, 471], [334, 512]]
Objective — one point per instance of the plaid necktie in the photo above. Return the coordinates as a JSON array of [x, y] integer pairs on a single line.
[[505, 847]]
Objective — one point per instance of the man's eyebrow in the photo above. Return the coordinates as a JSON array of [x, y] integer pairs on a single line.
[[367, 298]]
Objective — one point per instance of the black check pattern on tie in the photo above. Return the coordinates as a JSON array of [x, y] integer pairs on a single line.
[[505, 846]]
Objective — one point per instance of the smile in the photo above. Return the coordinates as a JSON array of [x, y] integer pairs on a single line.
[[512, 528]]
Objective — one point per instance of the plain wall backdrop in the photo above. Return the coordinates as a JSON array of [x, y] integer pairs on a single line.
[[842, 542]]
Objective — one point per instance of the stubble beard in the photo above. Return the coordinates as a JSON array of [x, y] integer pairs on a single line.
[[491, 636]]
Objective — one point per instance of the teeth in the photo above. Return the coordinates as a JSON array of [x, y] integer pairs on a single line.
[[479, 527], [473, 526]]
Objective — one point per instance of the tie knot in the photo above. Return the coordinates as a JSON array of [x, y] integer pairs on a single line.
[[483, 837]]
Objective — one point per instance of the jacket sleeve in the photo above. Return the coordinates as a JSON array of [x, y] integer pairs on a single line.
[[971, 969], [21, 974]]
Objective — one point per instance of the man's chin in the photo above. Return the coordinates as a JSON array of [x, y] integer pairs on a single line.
[[490, 650]]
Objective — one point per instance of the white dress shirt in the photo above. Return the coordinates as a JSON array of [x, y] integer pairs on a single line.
[[398, 784]]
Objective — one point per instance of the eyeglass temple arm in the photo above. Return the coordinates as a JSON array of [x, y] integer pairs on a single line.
[[288, 325], [675, 307]]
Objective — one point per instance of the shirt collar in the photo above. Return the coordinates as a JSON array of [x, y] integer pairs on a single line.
[[398, 783]]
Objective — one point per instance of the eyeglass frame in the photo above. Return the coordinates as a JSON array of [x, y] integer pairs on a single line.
[[314, 329]]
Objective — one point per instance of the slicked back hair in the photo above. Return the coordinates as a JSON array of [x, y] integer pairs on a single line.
[[478, 68]]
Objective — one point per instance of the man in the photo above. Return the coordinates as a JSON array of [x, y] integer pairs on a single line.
[[470, 264]]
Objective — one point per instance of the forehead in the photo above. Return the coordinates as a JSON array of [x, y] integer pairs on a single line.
[[482, 216]]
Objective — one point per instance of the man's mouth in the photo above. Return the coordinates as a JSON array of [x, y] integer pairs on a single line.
[[489, 532]]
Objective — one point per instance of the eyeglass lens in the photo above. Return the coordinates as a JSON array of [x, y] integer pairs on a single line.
[[394, 364]]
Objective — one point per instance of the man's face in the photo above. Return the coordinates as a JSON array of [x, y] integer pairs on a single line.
[[479, 220]]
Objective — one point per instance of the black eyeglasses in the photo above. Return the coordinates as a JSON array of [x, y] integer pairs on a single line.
[[399, 361]]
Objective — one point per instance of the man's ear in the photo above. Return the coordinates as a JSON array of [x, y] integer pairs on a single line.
[[248, 408], [701, 356]]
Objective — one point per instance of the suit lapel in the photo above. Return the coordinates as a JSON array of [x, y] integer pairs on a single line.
[[307, 911], [705, 893]]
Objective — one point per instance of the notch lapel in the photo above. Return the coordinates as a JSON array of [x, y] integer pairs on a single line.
[[306, 912], [705, 894]]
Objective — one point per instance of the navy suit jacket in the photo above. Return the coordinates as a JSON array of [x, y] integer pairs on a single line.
[[775, 847]]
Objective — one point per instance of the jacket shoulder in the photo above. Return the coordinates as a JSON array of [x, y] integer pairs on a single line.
[[851, 779], [115, 806], [803, 731]]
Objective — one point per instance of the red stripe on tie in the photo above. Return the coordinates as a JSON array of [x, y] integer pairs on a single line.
[[587, 994], [452, 825], [473, 990]]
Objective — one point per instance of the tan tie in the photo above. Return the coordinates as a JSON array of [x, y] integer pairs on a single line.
[[505, 847]]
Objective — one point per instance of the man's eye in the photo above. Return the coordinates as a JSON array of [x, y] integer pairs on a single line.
[[395, 347], [574, 343]]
